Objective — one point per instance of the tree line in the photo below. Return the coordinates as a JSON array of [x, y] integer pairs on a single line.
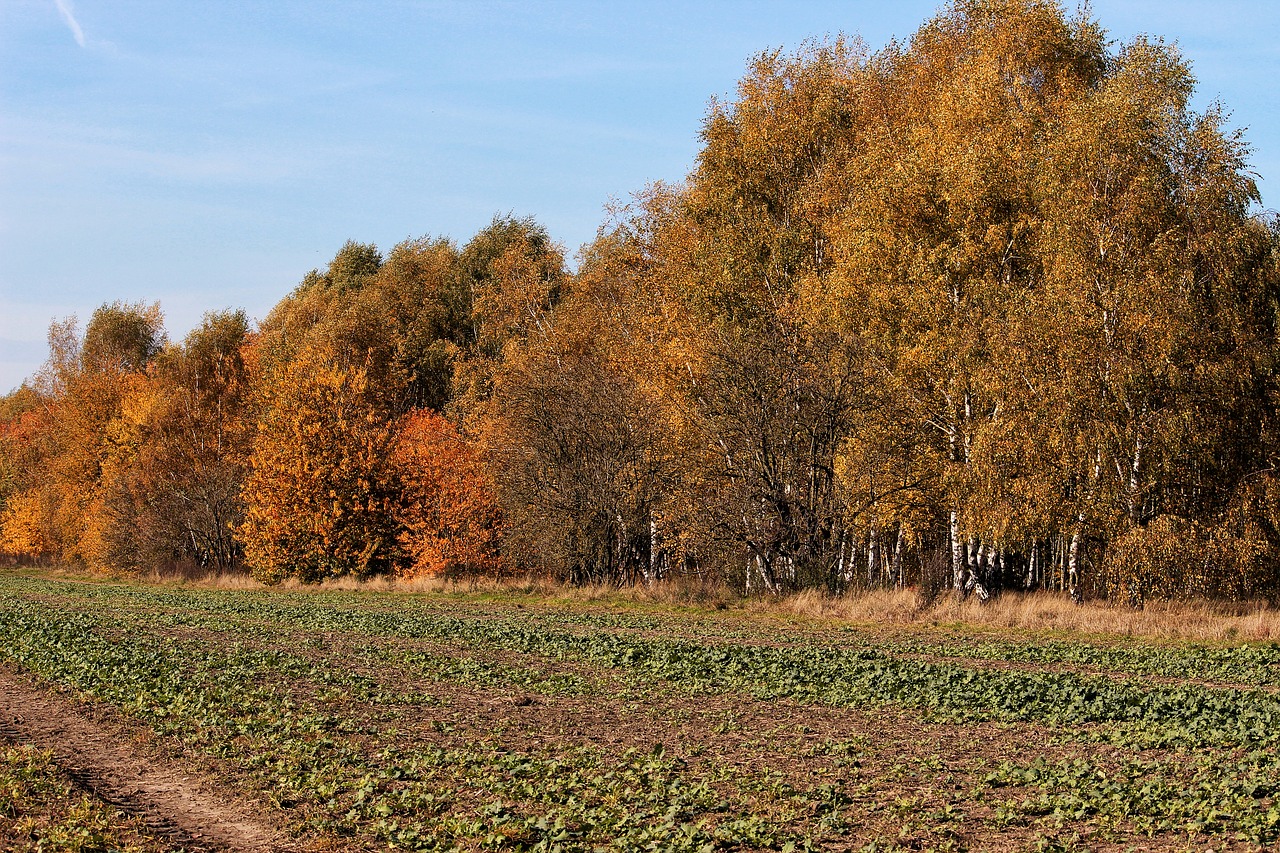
[[990, 308]]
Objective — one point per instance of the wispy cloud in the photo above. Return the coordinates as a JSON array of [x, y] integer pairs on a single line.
[[69, 18], [61, 153]]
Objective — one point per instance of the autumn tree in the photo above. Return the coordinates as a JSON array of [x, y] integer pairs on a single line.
[[26, 530], [512, 274], [451, 523], [85, 384], [356, 348], [424, 287], [319, 499], [772, 382], [178, 499], [402, 319], [1162, 299], [577, 454]]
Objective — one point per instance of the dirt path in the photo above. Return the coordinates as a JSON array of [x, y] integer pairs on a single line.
[[181, 808]]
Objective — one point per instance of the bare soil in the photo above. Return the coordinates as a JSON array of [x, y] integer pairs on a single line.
[[103, 757]]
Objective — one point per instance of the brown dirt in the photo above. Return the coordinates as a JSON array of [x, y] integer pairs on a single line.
[[898, 769], [101, 756]]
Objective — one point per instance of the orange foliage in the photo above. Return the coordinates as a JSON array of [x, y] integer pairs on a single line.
[[22, 527], [450, 516]]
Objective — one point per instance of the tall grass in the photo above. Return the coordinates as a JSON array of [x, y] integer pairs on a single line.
[[1045, 611]]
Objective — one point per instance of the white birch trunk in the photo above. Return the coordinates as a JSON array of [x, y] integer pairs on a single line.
[[840, 579], [766, 575], [1073, 559], [897, 560], [1135, 480], [957, 555], [651, 576]]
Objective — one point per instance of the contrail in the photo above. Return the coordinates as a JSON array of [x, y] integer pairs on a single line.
[[64, 9]]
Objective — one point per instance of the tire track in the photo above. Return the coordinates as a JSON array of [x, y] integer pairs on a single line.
[[187, 811]]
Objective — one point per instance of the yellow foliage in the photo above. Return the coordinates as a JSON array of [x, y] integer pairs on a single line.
[[319, 499], [1175, 558], [23, 523]]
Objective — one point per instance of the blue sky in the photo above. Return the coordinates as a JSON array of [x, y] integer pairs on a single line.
[[208, 154]]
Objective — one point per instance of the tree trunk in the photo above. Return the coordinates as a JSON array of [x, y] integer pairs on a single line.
[[873, 556], [957, 556], [765, 571], [839, 579], [897, 560], [1073, 560], [651, 576], [1135, 480]]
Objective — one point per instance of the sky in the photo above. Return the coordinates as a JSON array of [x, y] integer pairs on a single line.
[[208, 154]]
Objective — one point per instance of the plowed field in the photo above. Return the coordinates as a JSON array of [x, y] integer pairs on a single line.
[[157, 718]]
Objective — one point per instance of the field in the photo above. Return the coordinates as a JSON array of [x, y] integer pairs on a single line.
[[150, 717]]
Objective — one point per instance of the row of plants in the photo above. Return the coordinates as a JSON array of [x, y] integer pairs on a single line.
[[336, 762], [1246, 663], [1256, 664], [308, 693], [853, 675]]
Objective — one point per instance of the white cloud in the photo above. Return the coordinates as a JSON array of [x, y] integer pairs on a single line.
[[69, 18]]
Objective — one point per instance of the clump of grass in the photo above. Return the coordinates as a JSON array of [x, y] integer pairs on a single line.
[[232, 580], [1190, 620], [893, 606]]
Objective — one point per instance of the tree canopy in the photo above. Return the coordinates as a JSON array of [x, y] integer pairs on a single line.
[[989, 308]]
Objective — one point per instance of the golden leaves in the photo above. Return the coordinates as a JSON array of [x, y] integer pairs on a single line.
[[320, 495]]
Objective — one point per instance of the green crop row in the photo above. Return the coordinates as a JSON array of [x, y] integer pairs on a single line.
[[343, 776], [1256, 664], [833, 675], [282, 715]]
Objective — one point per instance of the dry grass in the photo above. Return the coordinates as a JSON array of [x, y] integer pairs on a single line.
[[1039, 611], [895, 607], [1044, 611]]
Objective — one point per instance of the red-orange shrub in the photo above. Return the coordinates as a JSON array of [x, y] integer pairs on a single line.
[[450, 516]]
